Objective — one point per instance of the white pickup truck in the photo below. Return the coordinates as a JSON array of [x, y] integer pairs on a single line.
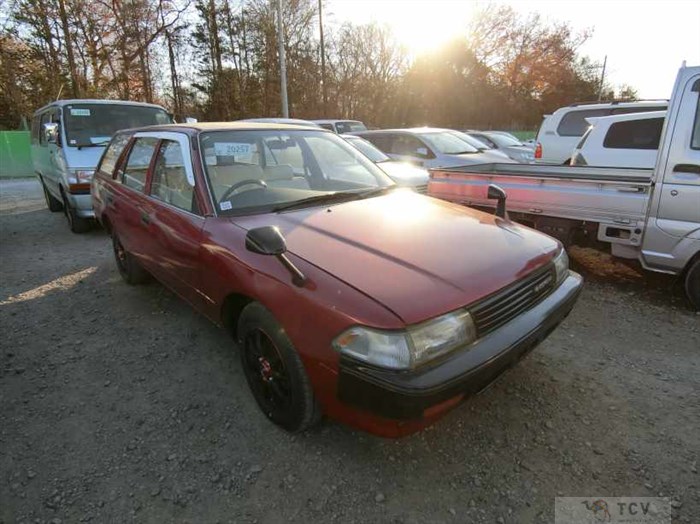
[[652, 215]]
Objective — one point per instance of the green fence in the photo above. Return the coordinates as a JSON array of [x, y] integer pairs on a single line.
[[15, 154]]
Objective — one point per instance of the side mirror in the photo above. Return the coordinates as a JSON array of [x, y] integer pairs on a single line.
[[268, 240], [190, 120], [497, 193], [51, 132]]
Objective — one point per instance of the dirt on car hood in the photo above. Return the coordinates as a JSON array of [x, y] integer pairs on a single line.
[[418, 256]]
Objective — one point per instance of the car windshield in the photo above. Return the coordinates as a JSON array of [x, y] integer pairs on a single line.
[[474, 142], [350, 126], [266, 170], [448, 143], [94, 124], [368, 149], [504, 140]]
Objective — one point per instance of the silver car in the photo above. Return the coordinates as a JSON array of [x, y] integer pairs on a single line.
[[430, 147], [403, 173], [506, 143]]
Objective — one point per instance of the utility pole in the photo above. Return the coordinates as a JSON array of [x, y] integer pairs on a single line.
[[283, 61], [602, 79], [323, 59]]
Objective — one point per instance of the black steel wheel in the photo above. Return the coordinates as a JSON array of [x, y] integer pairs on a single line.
[[130, 270], [274, 371]]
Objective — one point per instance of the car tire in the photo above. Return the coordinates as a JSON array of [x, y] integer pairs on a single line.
[[692, 284], [76, 223], [130, 270], [274, 371], [53, 203]]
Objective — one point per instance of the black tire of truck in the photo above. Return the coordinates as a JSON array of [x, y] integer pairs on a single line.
[[692, 284]]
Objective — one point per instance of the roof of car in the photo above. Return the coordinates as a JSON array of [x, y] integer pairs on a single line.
[[334, 120], [627, 116], [72, 101], [273, 120], [408, 130], [240, 125]]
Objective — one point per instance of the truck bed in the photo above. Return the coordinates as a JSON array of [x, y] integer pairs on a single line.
[[602, 195]]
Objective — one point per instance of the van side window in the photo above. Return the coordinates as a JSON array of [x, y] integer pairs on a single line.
[[112, 153], [695, 140], [35, 129], [137, 165], [170, 182], [44, 119], [634, 134], [574, 123]]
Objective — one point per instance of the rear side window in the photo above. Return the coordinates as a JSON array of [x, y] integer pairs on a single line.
[[137, 165], [408, 145], [695, 140], [634, 134], [112, 154], [170, 182], [574, 122]]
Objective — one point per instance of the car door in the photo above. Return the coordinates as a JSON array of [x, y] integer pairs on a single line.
[[678, 212], [174, 219], [127, 204]]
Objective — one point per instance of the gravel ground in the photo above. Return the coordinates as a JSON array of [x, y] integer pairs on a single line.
[[119, 403]]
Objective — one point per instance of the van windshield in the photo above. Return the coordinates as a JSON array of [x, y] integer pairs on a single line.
[[94, 124]]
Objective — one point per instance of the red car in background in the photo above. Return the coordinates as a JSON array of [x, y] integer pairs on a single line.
[[349, 297]]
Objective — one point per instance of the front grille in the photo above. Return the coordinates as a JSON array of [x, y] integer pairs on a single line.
[[504, 305], [423, 190]]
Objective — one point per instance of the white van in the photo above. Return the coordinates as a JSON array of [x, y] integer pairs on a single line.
[[68, 138], [621, 141], [562, 130]]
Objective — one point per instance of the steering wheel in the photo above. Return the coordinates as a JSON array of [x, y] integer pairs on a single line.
[[242, 183]]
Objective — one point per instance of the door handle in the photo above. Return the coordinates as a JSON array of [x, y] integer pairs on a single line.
[[687, 168], [145, 218]]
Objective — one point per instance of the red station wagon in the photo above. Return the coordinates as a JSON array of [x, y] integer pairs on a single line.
[[348, 296]]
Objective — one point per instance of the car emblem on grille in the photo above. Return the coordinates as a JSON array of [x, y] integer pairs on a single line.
[[545, 283]]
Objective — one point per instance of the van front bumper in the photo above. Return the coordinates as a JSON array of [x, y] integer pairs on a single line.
[[421, 393], [81, 204]]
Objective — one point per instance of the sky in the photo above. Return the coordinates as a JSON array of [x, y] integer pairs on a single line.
[[645, 41]]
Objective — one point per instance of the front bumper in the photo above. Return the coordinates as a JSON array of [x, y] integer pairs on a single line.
[[411, 395], [81, 204]]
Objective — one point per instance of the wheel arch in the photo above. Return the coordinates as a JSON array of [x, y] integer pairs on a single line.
[[231, 310]]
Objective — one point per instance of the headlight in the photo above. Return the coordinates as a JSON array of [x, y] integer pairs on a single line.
[[81, 177], [411, 348], [561, 265]]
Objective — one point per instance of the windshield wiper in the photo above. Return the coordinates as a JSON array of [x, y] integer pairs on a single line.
[[463, 152], [329, 198], [94, 144], [326, 198]]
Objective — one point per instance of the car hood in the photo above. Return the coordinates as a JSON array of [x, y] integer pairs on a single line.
[[482, 157], [405, 174], [418, 256]]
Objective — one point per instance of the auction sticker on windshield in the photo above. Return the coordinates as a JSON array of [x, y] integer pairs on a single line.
[[79, 112], [231, 148]]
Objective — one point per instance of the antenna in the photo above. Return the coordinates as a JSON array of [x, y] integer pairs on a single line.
[[60, 91]]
